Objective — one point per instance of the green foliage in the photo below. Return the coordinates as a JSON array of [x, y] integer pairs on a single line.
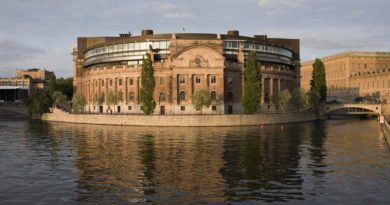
[[52, 84], [318, 81], [252, 85], [282, 100], [200, 99], [314, 98], [78, 102], [58, 98], [39, 102], [148, 84], [65, 86], [299, 98], [113, 98]]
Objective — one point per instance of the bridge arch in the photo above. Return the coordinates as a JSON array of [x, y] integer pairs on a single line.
[[354, 108]]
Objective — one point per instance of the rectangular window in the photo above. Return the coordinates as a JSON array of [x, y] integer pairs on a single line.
[[213, 79], [120, 82], [130, 108], [214, 108], [182, 79], [197, 79], [131, 81], [182, 108], [162, 80]]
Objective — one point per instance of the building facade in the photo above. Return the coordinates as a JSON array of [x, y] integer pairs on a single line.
[[183, 63], [18, 88], [353, 74]]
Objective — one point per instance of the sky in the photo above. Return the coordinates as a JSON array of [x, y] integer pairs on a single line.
[[41, 33]]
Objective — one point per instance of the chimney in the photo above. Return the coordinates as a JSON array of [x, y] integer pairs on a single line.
[[233, 33], [147, 32]]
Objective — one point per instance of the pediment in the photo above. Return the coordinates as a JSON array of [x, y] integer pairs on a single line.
[[199, 56]]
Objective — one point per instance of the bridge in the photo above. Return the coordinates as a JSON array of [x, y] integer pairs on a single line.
[[353, 108]]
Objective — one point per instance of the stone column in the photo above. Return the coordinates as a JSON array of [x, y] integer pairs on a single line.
[[106, 90], [126, 83], [138, 83], [175, 89], [262, 90], [271, 89]]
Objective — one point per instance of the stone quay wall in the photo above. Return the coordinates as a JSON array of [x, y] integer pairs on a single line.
[[180, 120], [386, 131]]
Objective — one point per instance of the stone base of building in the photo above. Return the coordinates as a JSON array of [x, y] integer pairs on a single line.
[[180, 120]]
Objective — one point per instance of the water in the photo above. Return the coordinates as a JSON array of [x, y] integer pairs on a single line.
[[332, 162]]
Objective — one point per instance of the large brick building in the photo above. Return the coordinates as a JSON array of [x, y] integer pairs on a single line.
[[183, 63], [353, 74]]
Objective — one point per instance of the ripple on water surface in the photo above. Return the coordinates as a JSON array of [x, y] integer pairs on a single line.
[[332, 162]]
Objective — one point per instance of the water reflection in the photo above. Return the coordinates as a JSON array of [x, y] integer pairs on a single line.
[[300, 163], [189, 164]]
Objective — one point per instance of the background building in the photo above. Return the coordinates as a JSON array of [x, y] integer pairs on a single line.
[[353, 74], [17, 89], [183, 63]]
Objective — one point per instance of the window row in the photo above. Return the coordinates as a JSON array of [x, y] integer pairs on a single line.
[[182, 80], [164, 45], [197, 79], [162, 96], [257, 47]]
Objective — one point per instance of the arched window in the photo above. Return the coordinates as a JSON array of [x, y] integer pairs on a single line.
[[162, 96], [131, 96], [182, 96], [229, 96], [213, 95]]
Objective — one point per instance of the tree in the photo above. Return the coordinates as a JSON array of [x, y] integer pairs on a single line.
[[78, 101], [58, 98], [282, 100], [299, 98], [200, 99], [39, 102], [113, 98], [148, 84], [52, 84], [252, 85], [314, 98], [65, 86], [318, 81]]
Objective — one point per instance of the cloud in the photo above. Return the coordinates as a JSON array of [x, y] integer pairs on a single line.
[[13, 51], [177, 15], [273, 7], [275, 4], [353, 14], [163, 6], [170, 10]]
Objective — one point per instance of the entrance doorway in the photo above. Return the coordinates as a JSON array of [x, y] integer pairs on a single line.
[[101, 109], [230, 109], [119, 109], [162, 110]]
